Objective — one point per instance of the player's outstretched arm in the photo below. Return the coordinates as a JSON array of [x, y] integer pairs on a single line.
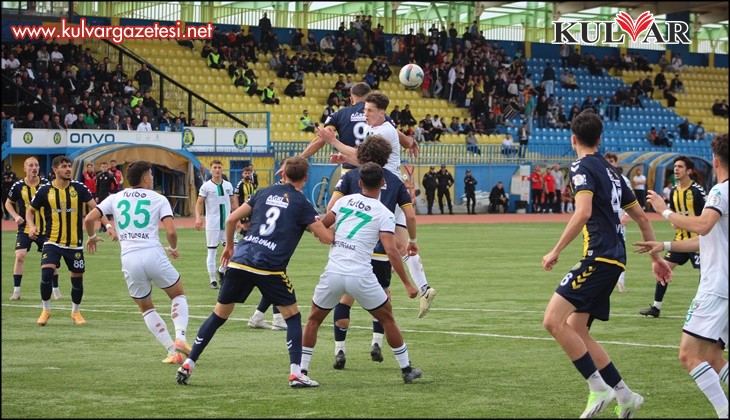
[[321, 232], [328, 136], [701, 224], [655, 247]]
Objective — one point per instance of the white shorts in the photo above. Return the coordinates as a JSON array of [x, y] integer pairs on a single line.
[[215, 237], [365, 289], [142, 268], [707, 318], [400, 217]]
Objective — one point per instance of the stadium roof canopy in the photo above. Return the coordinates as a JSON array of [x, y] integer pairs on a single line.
[[508, 13]]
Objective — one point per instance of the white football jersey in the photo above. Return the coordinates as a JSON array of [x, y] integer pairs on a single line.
[[137, 215], [217, 203], [714, 246], [359, 221], [387, 130]]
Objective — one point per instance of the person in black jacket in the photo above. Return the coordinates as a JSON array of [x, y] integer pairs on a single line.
[[106, 183], [498, 198], [430, 183], [445, 181], [470, 190]]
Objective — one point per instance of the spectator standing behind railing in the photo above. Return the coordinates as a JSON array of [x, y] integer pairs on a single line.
[[471, 143], [548, 76]]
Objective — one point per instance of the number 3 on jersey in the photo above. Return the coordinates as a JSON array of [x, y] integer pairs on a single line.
[[139, 210], [366, 218]]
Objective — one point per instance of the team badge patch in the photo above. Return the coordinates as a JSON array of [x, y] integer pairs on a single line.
[[579, 179]]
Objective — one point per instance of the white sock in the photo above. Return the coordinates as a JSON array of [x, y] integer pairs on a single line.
[[657, 305], [339, 345], [210, 262], [158, 328], [16, 289], [306, 358], [257, 316], [295, 369], [377, 339], [221, 269], [75, 307], [622, 278], [190, 363], [623, 393], [46, 305], [709, 383], [723, 374], [596, 382], [179, 313], [55, 290], [401, 355], [415, 268]]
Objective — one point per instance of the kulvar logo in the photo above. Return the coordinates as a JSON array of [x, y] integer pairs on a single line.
[[609, 32]]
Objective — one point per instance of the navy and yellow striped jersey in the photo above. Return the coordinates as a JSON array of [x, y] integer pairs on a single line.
[[280, 215], [602, 240], [62, 208], [689, 202], [21, 193], [244, 191], [393, 194]]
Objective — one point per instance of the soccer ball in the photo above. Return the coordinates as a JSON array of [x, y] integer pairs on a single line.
[[411, 76]]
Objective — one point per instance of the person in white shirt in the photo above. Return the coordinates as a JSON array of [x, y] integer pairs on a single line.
[[705, 330], [217, 196], [11, 63], [508, 146], [638, 183], [349, 270], [144, 125], [71, 117], [137, 213], [56, 56], [451, 81]]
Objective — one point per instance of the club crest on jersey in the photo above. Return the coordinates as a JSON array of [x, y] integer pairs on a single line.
[[277, 201], [579, 179]]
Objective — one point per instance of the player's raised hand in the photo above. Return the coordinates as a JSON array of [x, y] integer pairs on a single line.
[[656, 201], [338, 158], [326, 134]]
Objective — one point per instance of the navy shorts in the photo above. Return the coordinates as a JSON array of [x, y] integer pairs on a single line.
[[23, 241], [381, 269], [680, 258], [588, 287], [74, 257], [238, 284]]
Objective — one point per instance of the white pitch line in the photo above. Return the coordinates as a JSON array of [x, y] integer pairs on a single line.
[[510, 311], [472, 334]]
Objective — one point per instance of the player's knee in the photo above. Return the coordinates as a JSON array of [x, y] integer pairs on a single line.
[[551, 325], [20, 256]]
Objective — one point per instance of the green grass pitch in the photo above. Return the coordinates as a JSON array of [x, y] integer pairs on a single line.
[[482, 347]]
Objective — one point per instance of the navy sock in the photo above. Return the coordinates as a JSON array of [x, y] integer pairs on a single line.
[[46, 278], [263, 304], [294, 338], [274, 309], [77, 289], [342, 311], [585, 365], [205, 333], [610, 375], [17, 278], [378, 327], [54, 282], [659, 292]]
